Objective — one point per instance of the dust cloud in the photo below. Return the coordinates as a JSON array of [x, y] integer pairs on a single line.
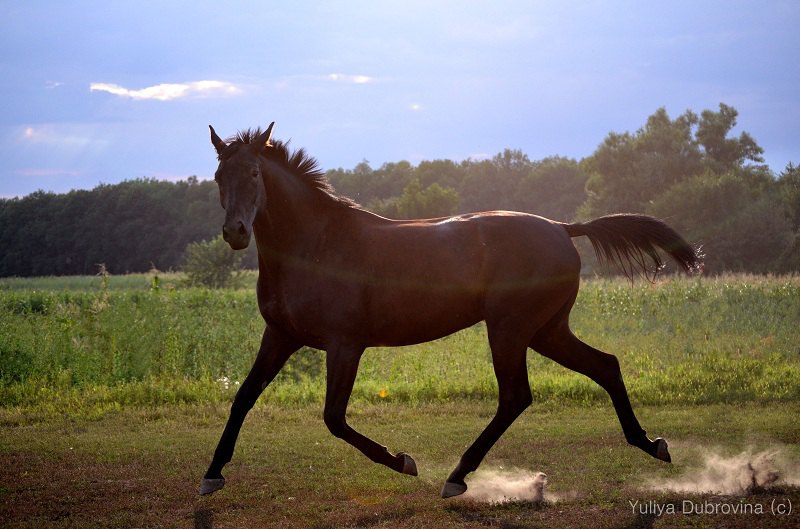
[[743, 473], [497, 486], [739, 474]]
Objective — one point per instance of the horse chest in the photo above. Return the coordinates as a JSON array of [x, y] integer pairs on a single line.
[[307, 312]]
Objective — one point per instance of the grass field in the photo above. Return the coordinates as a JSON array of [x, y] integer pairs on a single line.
[[89, 350], [113, 392]]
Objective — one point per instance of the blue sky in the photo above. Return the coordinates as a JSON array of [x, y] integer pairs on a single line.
[[97, 92]]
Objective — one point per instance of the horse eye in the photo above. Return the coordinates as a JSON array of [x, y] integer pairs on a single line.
[[254, 173]]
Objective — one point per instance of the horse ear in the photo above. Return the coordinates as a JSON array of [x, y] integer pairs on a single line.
[[264, 138], [219, 145]]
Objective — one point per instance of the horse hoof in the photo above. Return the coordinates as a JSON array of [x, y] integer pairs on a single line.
[[662, 452], [207, 486], [451, 489], [409, 465]]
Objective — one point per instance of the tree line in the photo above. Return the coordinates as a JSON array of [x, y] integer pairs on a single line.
[[133, 226], [711, 186]]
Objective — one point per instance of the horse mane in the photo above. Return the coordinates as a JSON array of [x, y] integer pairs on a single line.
[[298, 161]]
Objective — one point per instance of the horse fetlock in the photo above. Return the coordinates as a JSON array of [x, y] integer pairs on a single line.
[[639, 439]]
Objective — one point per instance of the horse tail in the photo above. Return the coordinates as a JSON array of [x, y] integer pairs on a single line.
[[628, 240]]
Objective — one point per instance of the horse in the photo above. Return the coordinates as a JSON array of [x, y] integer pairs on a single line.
[[338, 278]]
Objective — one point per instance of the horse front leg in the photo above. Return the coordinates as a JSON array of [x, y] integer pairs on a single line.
[[275, 349], [342, 366]]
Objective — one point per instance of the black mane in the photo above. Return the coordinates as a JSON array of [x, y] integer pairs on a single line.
[[298, 162]]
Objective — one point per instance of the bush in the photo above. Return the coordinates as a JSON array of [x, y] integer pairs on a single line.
[[212, 264]]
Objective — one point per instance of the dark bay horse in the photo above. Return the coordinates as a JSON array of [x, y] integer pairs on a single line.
[[338, 278]]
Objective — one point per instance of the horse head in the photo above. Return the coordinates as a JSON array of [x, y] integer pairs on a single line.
[[241, 188]]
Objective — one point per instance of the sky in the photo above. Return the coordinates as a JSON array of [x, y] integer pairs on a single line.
[[99, 92]]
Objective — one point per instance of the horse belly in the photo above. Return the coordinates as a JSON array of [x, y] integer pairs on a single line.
[[416, 316]]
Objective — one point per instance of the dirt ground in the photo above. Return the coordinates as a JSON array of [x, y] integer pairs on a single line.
[[141, 469]]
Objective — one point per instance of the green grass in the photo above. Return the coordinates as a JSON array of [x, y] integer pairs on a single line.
[[105, 345]]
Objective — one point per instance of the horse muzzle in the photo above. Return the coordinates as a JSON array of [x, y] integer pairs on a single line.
[[236, 235]]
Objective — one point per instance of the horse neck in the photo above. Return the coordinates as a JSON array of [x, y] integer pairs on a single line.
[[292, 213]]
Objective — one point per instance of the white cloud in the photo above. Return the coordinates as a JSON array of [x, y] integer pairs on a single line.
[[169, 91], [347, 78]]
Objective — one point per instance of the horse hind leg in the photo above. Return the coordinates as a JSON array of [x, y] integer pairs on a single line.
[[558, 343], [509, 357]]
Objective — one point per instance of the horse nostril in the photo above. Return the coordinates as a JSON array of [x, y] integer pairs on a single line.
[[239, 231]]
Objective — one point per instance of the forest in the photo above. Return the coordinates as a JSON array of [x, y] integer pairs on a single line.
[[711, 185]]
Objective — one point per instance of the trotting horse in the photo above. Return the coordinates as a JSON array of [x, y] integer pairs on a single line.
[[338, 278]]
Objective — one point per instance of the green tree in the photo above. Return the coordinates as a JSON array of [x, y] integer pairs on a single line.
[[446, 173], [492, 184], [723, 153], [628, 170], [131, 227], [432, 201], [371, 187], [732, 217], [788, 192], [554, 188], [212, 264]]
